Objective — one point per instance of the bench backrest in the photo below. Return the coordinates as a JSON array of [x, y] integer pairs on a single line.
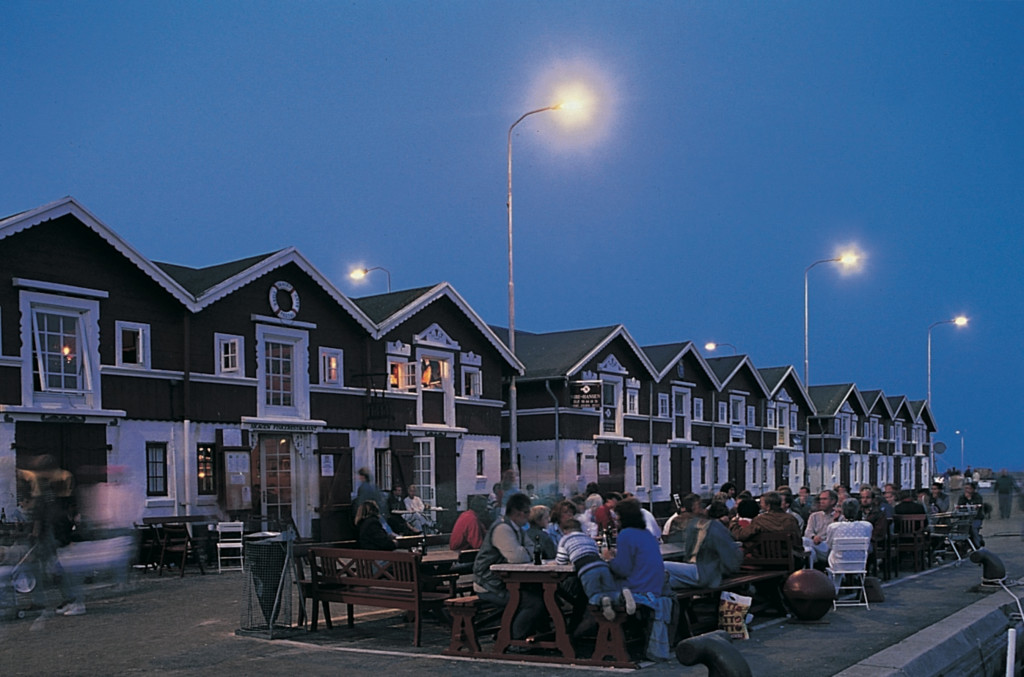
[[771, 550], [397, 570]]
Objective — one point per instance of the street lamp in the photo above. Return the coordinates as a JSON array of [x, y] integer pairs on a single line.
[[360, 273], [959, 321], [513, 429], [960, 434], [848, 259], [711, 346]]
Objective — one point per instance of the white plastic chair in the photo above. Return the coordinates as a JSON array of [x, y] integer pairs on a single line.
[[229, 546], [847, 567]]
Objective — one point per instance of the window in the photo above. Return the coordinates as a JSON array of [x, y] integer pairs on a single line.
[[723, 412], [480, 463], [472, 384], [698, 409], [681, 413], [751, 416], [229, 355], [433, 372], [156, 468], [769, 418], [611, 401], [382, 469], [132, 344], [205, 478], [632, 401], [736, 410], [663, 400], [714, 471], [60, 338], [579, 464], [638, 461], [60, 349], [423, 470], [655, 471], [703, 470], [331, 363], [283, 372], [402, 375], [792, 419]]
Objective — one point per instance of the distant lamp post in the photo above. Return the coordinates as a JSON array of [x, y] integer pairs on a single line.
[[848, 259], [360, 273], [711, 347], [513, 405], [959, 321], [960, 434]]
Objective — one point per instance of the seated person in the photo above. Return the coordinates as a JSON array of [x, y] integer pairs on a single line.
[[468, 532], [848, 525], [817, 526], [970, 500], [637, 558], [690, 506], [907, 505], [710, 554], [371, 530], [504, 542], [396, 522], [746, 510], [540, 518], [418, 520], [562, 512], [773, 519], [599, 584]]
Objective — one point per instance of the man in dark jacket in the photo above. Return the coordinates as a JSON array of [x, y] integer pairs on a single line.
[[709, 551]]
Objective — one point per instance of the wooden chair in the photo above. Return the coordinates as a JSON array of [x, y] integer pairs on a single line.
[[912, 539], [229, 546], [773, 550], [150, 545], [177, 541]]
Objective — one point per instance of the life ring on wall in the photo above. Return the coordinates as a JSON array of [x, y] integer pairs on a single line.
[[282, 286]]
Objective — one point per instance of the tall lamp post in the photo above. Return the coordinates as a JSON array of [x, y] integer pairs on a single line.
[[513, 409], [959, 321], [847, 260], [360, 273], [960, 434]]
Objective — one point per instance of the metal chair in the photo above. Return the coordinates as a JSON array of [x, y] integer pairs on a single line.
[[229, 546], [848, 567]]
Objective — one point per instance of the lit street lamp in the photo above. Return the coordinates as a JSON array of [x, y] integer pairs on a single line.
[[959, 321], [711, 346], [360, 273], [513, 428], [848, 259]]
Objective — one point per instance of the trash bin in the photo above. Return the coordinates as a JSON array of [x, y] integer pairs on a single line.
[[267, 597]]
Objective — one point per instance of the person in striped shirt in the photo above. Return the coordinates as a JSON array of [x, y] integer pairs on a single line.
[[599, 583]]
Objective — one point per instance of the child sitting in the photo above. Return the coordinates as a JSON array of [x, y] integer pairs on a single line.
[[595, 575]]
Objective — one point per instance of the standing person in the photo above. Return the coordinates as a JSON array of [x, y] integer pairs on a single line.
[[509, 487], [368, 491], [1005, 488], [506, 542]]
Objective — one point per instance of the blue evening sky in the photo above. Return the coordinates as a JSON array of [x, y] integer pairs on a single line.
[[729, 146]]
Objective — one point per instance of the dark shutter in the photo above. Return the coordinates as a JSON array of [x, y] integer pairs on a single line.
[[444, 481]]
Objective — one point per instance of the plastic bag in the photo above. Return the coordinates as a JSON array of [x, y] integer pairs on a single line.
[[732, 614]]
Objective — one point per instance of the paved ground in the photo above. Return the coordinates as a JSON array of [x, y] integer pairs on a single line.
[[188, 626]]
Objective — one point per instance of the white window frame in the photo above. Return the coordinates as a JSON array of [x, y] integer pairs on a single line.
[[219, 343], [404, 373], [751, 416], [769, 416], [723, 412], [424, 469], [143, 330], [681, 413], [447, 383], [663, 405], [299, 341], [632, 401], [615, 383], [326, 355], [698, 409], [737, 409], [475, 382], [86, 312]]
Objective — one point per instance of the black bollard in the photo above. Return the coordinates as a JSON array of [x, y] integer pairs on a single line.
[[992, 569], [715, 651]]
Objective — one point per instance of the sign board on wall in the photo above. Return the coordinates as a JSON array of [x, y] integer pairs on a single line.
[[585, 394]]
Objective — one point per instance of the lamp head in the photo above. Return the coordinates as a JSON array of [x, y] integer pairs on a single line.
[[710, 345], [849, 258], [358, 273], [960, 320]]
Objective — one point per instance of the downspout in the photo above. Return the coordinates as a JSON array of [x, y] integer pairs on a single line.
[[650, 444], [558, 447], [186, 409]]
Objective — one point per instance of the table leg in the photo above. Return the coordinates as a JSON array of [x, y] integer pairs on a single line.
[[562, 641], [504, 637]]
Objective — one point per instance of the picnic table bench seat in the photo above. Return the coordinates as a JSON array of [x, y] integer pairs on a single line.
[[378, 578]]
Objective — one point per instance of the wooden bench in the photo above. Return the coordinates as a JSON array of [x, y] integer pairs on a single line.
[[466, 624], [377, 578], [688, 620]]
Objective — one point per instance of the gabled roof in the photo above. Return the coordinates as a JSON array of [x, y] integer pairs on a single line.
[[774, 377], [897, 402], [665, 356], [726, 368], [397, 307], [876, 398], [830, 398], [922, 411], [198, 280], [68, 205], [562, 354]]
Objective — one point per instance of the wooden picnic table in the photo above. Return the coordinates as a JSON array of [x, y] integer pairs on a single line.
[[548, 575]]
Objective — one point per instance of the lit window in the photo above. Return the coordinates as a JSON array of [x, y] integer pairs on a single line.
[[205, 478], [432, 373], [331, 360], [59, 353], [472, 384]]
